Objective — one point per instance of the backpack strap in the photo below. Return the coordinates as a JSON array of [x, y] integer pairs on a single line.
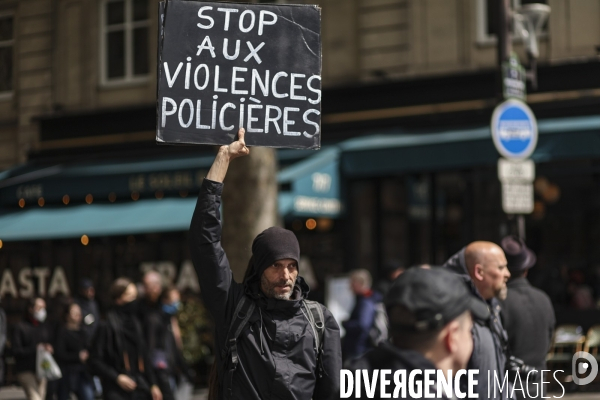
[[243, 311], [316, 319]]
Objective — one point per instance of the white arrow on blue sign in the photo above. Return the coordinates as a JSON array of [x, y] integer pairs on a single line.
[[514, 129]]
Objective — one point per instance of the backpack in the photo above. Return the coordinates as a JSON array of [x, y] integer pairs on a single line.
[[380, 328], [243, 311]]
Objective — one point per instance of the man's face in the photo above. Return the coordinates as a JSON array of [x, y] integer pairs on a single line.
[[356, 286], [152, 286], [278, 280], [495, 274], [89, 293]]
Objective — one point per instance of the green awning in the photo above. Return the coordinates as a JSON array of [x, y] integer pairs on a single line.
[[126, 217], [143, 216], [390, 154], [314, 186], [120, 178]]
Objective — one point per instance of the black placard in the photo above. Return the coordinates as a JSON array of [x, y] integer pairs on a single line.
[[222, 66]]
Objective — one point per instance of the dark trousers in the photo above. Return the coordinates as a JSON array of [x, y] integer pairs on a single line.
[[75, 380]]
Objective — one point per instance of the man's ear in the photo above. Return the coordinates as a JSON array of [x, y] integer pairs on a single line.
[[450, 336], [478, 272]]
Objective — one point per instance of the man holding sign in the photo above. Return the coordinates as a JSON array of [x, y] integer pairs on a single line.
[[271, 342]]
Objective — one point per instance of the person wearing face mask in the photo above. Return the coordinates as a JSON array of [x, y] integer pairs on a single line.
[[28, 335], [118, 354], [171, 304], [157, 331], [175, 369], [72, 356]]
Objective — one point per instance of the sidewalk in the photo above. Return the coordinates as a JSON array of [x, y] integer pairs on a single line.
[[16, 393]]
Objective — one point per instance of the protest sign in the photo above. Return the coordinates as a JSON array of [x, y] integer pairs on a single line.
[[222, 66]]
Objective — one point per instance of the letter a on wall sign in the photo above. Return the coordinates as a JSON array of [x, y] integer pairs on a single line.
[[222, 66]]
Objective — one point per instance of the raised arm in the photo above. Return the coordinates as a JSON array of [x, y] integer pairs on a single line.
[[236, 149], [209, 258]]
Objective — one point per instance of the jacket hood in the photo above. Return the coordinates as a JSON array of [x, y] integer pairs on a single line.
[[458, 265]]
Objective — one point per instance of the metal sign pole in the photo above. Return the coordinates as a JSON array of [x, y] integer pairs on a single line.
[[521, 226]]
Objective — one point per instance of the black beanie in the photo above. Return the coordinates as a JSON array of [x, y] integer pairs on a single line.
[[274, 244]]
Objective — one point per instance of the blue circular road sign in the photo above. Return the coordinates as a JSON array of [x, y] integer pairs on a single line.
[[514, 129]]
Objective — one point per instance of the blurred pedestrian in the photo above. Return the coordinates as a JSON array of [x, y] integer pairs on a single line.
[[482, 266], [72, 354], [179, 375], [358, 327], [271, 342], [391, 270], [527, 314], [431, 316], [90, 312], [118, 354], [28, 334], [56, 307], [157, 325]]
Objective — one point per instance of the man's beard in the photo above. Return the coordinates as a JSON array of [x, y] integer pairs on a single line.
[[268, 288], [502, 293]]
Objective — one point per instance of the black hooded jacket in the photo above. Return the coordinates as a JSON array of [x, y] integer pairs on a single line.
[[489, 339], [277, 358]]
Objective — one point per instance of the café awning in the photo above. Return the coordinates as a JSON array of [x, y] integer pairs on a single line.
[[312, 186], [396, 152], [165, 188], [139, 217]]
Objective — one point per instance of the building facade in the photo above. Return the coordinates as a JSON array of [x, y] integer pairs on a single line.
[[78, 109]]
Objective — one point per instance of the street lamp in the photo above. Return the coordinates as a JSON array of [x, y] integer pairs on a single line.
[[530, 20]]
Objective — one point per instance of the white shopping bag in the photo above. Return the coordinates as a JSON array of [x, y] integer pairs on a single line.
[[45, 365]]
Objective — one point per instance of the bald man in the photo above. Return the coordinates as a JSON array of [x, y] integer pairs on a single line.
[[482, 265]]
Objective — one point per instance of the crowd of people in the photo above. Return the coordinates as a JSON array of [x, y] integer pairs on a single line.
[[273, 343], [135, 352], [476, 312]]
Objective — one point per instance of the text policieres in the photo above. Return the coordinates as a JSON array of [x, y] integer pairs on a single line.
[[244, 82], [188, 110]]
